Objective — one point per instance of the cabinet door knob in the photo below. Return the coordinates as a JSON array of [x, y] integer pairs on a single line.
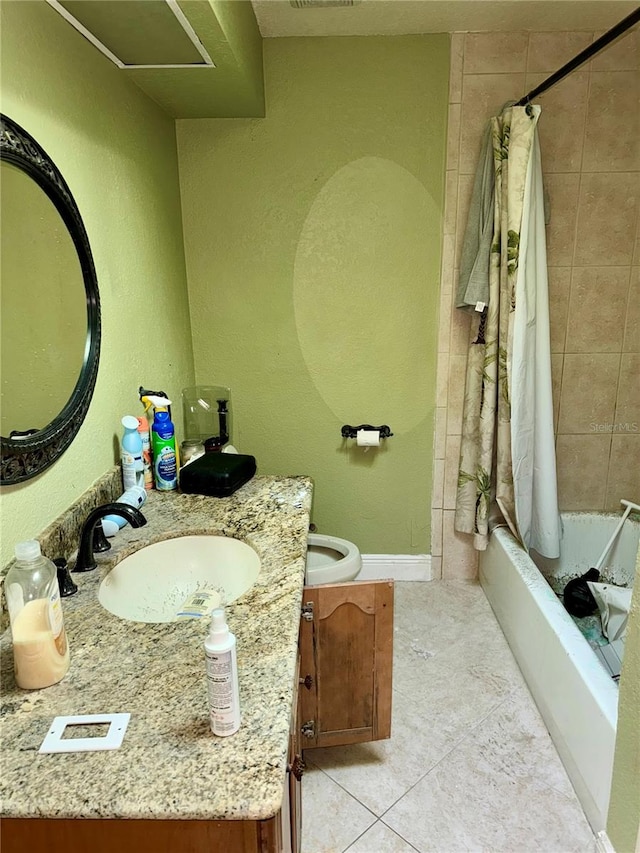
[[298, 767], [307, 681]]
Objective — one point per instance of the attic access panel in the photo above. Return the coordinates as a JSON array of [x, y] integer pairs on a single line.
[[137, 33]]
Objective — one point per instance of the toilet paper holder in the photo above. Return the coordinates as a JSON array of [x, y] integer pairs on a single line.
[[352, 431]]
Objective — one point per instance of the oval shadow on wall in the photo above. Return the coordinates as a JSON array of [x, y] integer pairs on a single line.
[[365, 294]]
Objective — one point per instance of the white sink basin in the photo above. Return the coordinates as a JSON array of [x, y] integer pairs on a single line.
[[153, 584]]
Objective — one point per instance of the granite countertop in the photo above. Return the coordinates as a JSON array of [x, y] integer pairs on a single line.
[[170, 765]]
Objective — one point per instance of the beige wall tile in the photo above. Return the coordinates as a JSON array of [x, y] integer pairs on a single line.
[[482, 97], [450, 202], [588, 395], [622, 55], [597, 309], [562, 121], [624, 470], [563, 191], [436, 568], [438, 484], [448, 259], [440, 432], [460, 324], [583, 463], [495, 53], [453, 136], [612, 135], [632, 325], [550, 51], [444, 322], [459, 560], [465, 188], [455, 73], [436, 532], [559, 289], [628, 402], [457, 376], [557, 362], [607, 210], [451, 467], [442, 380]]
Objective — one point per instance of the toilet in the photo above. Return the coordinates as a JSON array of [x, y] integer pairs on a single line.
[[331, 560]]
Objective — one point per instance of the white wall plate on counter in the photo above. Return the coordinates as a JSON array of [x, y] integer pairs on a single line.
[[54, 741]]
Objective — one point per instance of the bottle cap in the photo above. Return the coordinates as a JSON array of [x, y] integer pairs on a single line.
[[162, 416], [27, 551], [129, 422], [143, 424]]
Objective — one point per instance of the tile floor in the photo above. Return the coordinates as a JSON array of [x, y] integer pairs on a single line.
[[469, 766]]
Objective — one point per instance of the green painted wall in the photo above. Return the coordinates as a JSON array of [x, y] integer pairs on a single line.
[[623, 824], [229, 32], [116, 149], [312, 240]]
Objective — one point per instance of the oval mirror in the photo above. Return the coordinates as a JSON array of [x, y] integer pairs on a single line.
[[50, 309]]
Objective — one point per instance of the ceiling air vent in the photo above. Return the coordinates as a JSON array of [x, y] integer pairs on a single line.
[[137, 33], [322, 4]]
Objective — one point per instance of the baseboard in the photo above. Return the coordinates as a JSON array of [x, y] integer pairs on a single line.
[[400, 567], [603, 843]]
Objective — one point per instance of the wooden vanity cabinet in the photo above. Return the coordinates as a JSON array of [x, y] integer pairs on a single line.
[[138, 836], [343, 697]]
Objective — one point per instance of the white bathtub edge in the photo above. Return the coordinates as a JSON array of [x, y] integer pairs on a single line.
[[576, 698], [603, 843]]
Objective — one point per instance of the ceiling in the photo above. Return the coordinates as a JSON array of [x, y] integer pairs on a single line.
[[203, 58], [402, 17]]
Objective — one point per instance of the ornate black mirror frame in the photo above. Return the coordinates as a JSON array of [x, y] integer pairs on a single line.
[[24, 457]]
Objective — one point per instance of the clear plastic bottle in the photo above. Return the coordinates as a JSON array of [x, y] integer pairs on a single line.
[[40, 648]]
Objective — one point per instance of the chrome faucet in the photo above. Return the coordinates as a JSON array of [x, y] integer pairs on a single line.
[[86, 560]]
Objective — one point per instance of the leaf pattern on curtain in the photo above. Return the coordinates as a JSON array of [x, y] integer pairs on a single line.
[[485, 470]]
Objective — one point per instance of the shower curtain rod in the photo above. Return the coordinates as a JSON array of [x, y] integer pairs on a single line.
[[582, 57]]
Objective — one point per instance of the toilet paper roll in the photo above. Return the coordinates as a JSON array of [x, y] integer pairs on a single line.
[[368, 438]]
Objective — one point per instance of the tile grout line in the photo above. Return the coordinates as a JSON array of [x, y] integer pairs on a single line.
[[446, 755], [454, 746], [379, 820]]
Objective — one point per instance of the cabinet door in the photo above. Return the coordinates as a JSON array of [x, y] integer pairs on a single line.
[[346, 648]]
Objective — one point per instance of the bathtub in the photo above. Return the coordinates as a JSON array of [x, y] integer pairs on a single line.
[[577, 698]]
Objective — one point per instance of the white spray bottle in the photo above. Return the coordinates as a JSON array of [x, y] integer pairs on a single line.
[[222, 677]]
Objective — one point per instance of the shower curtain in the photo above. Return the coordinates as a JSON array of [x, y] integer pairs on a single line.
[[507, 449]]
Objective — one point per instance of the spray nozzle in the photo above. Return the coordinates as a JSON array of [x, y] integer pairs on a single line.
[[157, 402], [156, 399], [219, 630]]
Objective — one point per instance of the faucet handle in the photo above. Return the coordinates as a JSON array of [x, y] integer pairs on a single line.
[[100, 541], [65, 581]]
